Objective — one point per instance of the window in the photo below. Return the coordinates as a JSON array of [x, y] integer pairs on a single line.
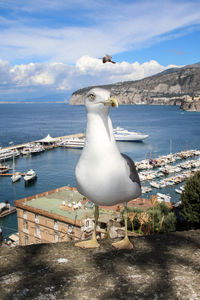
[[26, 226], [25, 214], [37, 230], [70, 228], [56, 236], [55, 225], [36, 219], [26, 240]]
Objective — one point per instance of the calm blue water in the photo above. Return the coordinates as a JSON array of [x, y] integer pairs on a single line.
[[22, 123]]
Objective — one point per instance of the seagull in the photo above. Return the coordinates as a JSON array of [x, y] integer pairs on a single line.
[[107, 58], [103, 174]]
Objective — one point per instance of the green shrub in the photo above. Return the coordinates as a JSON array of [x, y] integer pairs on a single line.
[[164, 218]]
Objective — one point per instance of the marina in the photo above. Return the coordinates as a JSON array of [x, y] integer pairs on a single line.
[[155, 173]]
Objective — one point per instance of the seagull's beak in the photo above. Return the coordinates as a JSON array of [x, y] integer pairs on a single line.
[[111, 101]]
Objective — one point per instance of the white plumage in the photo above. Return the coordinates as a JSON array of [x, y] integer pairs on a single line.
[[102, 173]]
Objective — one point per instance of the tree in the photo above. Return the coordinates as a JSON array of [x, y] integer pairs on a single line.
[[164, 219], [190, 199]]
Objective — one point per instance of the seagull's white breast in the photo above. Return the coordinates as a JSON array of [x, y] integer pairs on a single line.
[[102, 174]]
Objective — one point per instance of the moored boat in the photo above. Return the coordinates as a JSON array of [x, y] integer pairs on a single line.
[[75, 143], [4, 169], [124, 135], [30, 176]]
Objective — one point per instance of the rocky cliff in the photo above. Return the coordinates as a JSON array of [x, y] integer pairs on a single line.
[[177, 86]]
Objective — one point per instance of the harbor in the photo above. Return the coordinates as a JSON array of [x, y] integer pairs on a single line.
[[55, 165]]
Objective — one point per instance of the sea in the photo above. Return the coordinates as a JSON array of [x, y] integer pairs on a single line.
[[169, 128]]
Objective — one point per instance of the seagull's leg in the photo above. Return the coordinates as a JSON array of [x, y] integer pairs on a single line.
[[93, 242], [125, 243]]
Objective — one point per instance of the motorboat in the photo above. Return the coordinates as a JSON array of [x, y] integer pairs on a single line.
[[124, 135], [30, 176], [26, 151], [163, 197]]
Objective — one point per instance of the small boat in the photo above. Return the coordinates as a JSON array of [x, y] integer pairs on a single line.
[[26, 151], [16, 175], [178, 191], [124, 135], [6, 209], [163, 197], [4, 169], [30, 176], [155, 184]]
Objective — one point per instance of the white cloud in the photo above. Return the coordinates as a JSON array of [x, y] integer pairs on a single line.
[[96, 27], [88, 71]]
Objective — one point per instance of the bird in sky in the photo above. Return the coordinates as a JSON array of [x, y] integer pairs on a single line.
[[103, 174], [107, 58]]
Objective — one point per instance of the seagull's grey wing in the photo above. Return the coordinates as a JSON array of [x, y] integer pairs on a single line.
[[133, 172], [108, 56]]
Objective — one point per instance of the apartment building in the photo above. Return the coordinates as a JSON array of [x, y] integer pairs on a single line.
[[54, 216]]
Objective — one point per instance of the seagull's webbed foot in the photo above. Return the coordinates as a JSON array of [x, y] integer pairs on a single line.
[[93, 242], [123, 244], [88, 244]]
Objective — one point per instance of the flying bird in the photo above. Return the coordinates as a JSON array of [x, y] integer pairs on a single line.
[[108, 58], [103, 174]]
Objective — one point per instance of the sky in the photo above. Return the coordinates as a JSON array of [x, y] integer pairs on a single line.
[[49, 49]]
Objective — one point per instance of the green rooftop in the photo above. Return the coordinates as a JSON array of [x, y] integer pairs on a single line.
[[52, 203]]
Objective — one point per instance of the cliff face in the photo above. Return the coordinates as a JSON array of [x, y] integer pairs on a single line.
[[177, 86]]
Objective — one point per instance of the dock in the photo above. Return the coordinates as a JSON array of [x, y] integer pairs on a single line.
[[20, 146], [7, 212], [10, 174]]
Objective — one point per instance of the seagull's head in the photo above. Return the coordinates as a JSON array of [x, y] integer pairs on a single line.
[[98, 100]]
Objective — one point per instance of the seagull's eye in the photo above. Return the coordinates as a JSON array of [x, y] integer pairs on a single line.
[[91, 97]]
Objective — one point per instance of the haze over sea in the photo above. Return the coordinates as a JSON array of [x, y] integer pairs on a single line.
[[21, 123]]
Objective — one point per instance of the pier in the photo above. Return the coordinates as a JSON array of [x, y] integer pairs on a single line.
[[10, 174], [20, 146], [7, 212]]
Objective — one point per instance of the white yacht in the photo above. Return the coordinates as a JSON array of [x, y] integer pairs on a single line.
[[124, 135], [75, 143], [30, 176], [6, 154]]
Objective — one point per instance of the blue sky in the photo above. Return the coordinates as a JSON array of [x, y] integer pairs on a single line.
[[55, 47]]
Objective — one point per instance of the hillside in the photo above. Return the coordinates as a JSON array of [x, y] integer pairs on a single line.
[[164, 266], [176, 86]]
